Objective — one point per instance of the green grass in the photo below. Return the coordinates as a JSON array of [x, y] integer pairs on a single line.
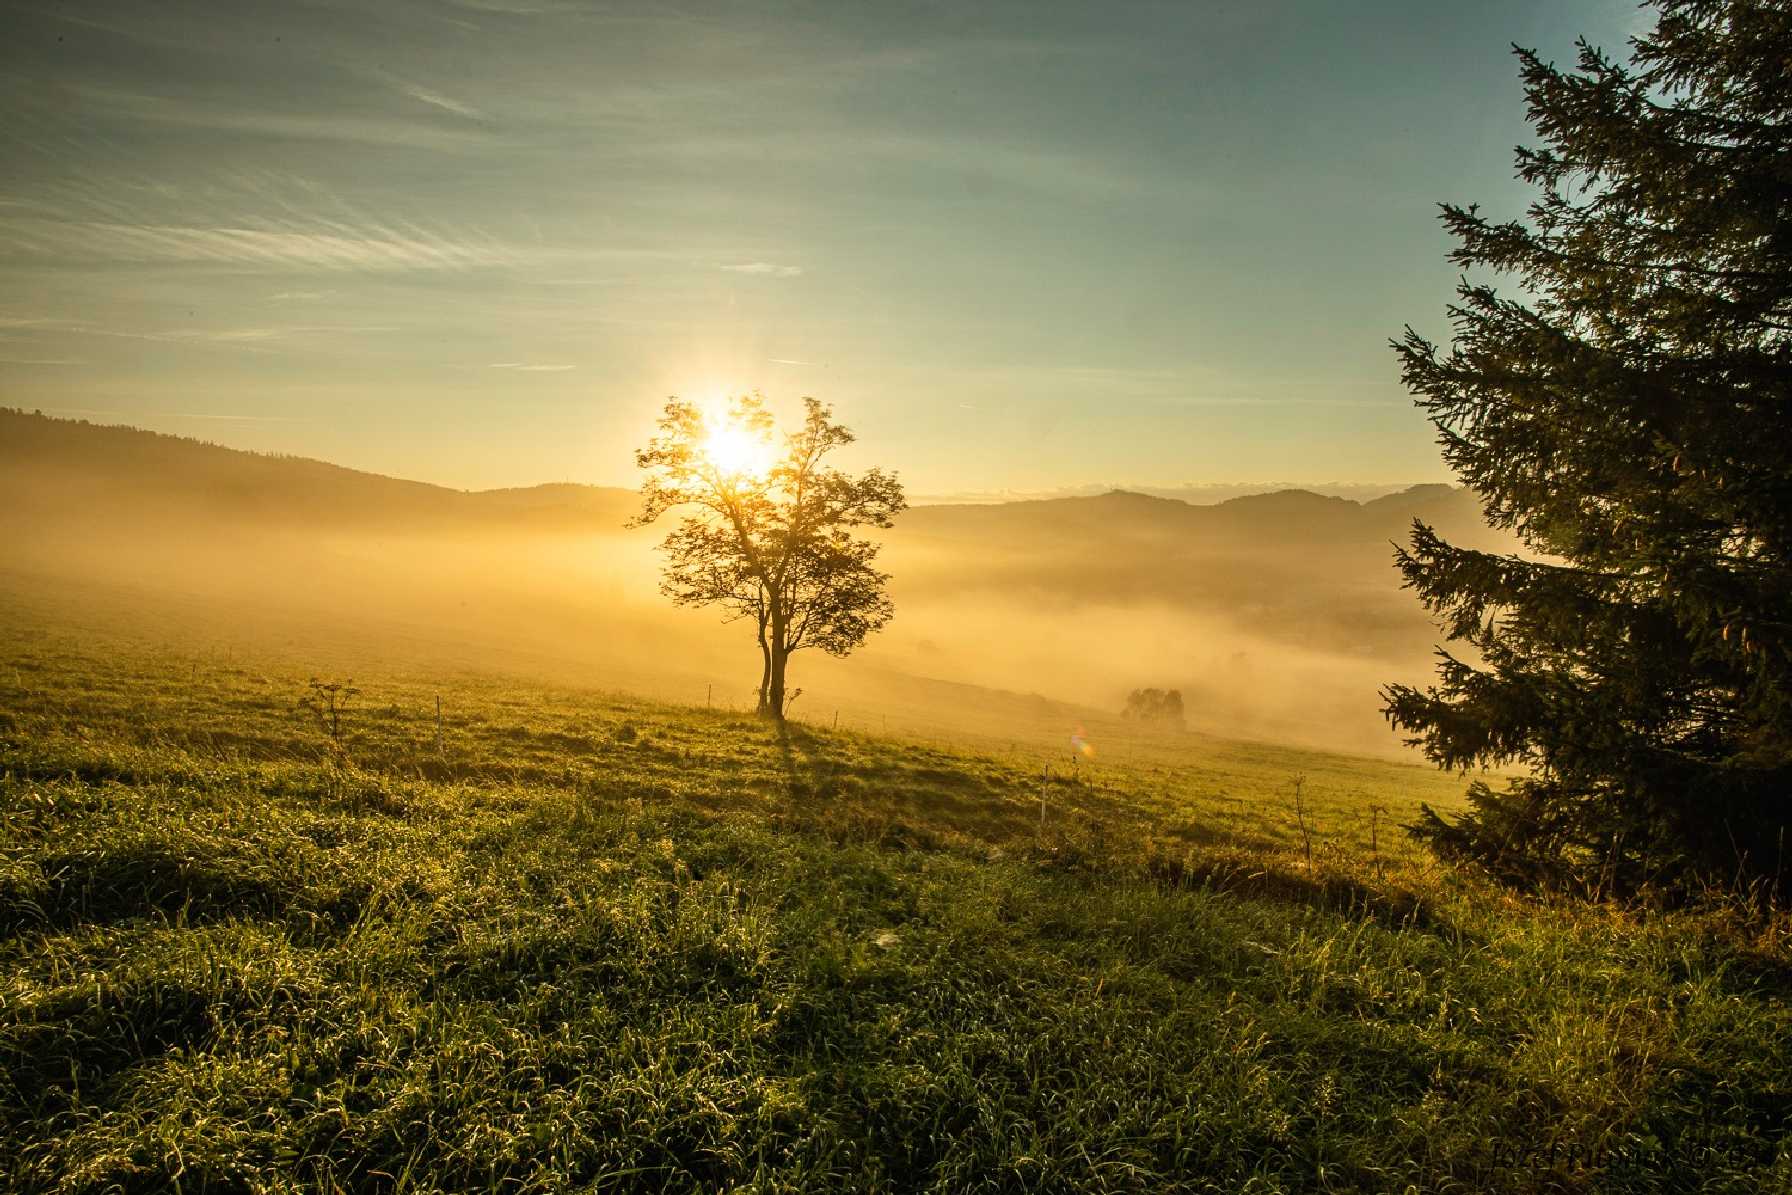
[[593, 943]]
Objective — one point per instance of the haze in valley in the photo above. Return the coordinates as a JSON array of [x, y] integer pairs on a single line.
[[1276, 614]]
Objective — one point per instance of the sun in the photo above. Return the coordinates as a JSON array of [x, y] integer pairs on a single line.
[[736, 451]]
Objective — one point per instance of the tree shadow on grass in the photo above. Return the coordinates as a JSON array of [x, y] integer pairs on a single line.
[[80, 1038], [899, 801], [150, 879], [1249, 878], [1086, 832]]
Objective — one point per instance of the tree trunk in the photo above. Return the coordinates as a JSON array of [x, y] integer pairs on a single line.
[[775, 695], [765, 672]]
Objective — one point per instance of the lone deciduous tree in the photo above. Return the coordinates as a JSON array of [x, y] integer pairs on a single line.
[[770, 530], [1629, 413]]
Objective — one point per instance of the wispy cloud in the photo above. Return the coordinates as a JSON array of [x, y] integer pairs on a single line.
[[102, 26], [514, 8], [278, 246], [1184, 387], [371, 128], [765, 269], [1079, 174], [282, 332], [787, 361], [40, 361], [275, 221], [446, 103], [520, 367], [256, 339], [1282, 400]]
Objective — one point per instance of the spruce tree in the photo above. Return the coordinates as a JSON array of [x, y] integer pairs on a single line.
[[1624, 405]]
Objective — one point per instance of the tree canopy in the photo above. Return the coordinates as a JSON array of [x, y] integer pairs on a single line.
[[770, 533], [1626, 407], [1154, 705]]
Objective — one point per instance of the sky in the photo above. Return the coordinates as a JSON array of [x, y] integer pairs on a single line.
[[1019, 246]]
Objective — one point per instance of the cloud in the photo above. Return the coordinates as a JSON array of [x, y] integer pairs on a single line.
[[286, 246], [300, 296], [229, 335], [502, 6], [250, 339], [369, 128], [1076, 174], [40, 361], [446, 103], [512, 8], [765, 269], [787, 361], [249, 335], [1279, 400], [1188, 386], [520, 367]]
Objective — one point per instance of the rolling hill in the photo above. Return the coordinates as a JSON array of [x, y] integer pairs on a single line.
[[1278, 614]]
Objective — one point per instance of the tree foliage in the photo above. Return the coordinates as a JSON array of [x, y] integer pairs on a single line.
[[1154, 705], [1628, 411], [770, 529]]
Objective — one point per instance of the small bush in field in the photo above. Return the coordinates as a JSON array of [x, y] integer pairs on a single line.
[[328, 701]]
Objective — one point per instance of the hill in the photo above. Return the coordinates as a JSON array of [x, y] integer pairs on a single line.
[[57, 470], [556, 939], [1278, 615], [1284, 517], [63, 468]]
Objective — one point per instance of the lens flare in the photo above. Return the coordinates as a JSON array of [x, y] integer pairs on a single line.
[[1080, 744]]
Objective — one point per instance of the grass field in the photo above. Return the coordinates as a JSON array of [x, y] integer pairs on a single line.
[[565, 939]]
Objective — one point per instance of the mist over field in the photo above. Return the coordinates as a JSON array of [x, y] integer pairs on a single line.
[[1278, 615]]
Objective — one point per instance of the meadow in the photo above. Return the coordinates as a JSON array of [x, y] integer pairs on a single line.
[[566, 939]]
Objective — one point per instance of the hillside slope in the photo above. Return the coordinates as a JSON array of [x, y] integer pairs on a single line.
[[1284, 518], [61, 470], [567, 940], [1278, 615]]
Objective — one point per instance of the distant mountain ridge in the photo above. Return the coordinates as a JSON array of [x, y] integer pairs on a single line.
[[1194, 493], [1283, 517], [47, 461], [44, 460]]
